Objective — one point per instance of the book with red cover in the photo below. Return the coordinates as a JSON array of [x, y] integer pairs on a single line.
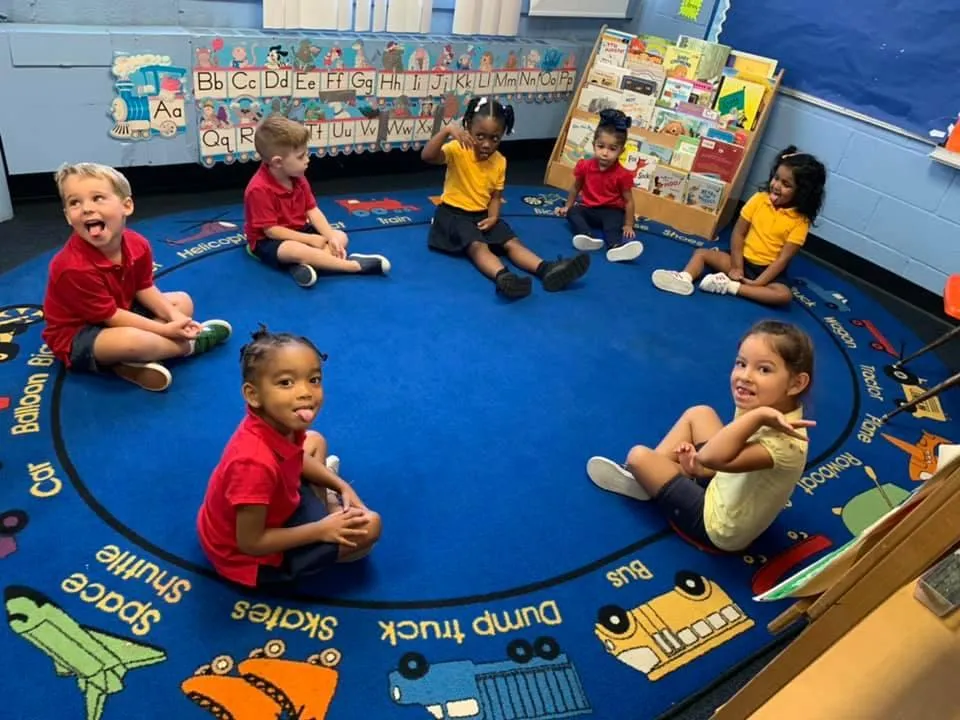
[[717, 159]]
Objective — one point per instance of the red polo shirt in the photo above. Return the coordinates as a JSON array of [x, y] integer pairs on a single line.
[[603, 188], [259, 466], [84, 287], [267, 204]]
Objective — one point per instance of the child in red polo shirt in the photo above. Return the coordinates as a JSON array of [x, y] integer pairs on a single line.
[[605, 190], [102, 308], [275, 509], [284, 227]]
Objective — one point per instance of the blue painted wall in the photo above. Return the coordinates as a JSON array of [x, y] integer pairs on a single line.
[[887, 201]]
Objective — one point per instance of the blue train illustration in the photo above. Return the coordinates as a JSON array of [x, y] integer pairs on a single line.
[[536, 682], [133, 108]]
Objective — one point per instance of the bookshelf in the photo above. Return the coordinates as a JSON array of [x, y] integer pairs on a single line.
[[684, 218]]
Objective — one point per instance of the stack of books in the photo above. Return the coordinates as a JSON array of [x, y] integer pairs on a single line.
[[695, 99]]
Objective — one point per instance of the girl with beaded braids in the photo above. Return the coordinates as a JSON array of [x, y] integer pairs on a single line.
[[468, 220], [276, 510]]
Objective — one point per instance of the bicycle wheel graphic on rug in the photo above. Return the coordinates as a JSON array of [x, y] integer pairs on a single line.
[[505, 584]]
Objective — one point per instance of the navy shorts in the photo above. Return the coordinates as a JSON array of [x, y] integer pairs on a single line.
[[751, 271], [304, 561], [454, 230], [81, 351], [681, 500], [266, 249]]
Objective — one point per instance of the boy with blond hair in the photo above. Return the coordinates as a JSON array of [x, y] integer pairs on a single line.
[[284, 227], [102, 309]]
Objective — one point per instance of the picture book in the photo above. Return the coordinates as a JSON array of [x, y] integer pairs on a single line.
[[645, 78], [674, 123], [613, 47], [579, 141], [681, 63], [734, 137], [661, 152], [713, 56], [751, 64], [595, 99], [718, 159], [646, 48], [646, 167], [704, 192], [669, 182], [678, 90], [605, 75], [630, 155], [740, 100], [684, 153], [699, 111]]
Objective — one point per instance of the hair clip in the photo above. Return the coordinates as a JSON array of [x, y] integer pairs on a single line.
[[480, 103]]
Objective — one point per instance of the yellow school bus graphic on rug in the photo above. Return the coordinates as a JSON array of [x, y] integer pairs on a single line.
[[669, 631]]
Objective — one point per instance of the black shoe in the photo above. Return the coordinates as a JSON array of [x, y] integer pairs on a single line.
[[371, 264], [561, 273], [303, 275], [513, 286]]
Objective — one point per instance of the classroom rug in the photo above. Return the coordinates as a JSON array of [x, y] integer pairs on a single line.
[[505, 584]]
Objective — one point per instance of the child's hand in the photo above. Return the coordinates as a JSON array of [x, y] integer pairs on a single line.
[[561, 211], [180, 327], [778, 421], [461, 136], [486, 223], [338, 242], [628, 232], [687, 457], [736, 274], [350, 499], [341, 527]]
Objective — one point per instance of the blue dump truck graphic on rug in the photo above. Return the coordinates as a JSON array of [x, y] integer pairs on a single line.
[[536, 682]]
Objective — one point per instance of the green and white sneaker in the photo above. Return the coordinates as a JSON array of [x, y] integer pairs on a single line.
[[215, 332]]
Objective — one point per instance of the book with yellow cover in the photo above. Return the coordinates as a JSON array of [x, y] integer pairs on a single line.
[[744, 62], [740, 100], [681, 63]]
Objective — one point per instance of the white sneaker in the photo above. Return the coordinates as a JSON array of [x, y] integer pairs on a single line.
[[585, 243], [630, 250], [333, 464], [150, 376], [610, 476], [679, 283], [717, 283]]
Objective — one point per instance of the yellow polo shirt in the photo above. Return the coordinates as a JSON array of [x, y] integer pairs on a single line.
[[770, 229], [470, 184], [738, 507]]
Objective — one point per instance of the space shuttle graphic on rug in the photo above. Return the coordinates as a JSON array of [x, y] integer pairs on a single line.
[[98, 660]]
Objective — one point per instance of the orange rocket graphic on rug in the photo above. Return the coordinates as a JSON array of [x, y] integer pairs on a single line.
[[923, 453], [266, 686]]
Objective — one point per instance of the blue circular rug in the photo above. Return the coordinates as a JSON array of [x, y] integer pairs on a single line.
[[505, 585]]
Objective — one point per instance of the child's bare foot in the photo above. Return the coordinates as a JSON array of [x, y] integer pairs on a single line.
[[150, 376]]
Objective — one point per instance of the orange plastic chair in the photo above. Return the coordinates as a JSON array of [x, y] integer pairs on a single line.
[[951, 306]]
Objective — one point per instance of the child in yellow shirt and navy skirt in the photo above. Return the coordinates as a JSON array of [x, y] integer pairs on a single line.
[[468, 221]]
